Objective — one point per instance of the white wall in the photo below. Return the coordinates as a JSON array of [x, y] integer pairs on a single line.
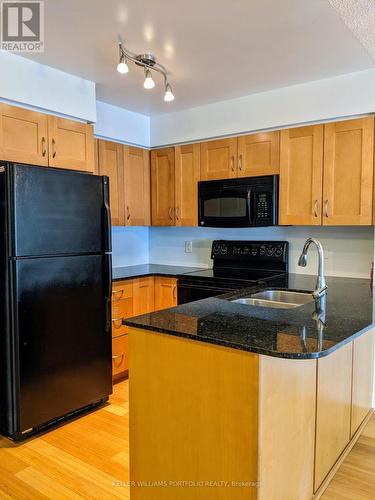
[[122, 125], [34, 85], [130, 246], [348, 251], [342, 96]]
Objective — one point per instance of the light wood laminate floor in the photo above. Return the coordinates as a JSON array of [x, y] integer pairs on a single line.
[[88, 458]]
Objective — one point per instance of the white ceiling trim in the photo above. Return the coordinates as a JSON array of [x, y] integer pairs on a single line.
[[359, 17]]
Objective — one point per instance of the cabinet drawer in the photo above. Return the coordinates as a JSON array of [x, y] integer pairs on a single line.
[[121, 290], [120, 355]]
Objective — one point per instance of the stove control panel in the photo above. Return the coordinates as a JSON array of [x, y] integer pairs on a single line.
[[264, 251]]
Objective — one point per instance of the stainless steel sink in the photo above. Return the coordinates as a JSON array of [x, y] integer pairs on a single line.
[[278, 299]]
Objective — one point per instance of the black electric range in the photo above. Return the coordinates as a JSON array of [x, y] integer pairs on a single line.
[[236, 264]]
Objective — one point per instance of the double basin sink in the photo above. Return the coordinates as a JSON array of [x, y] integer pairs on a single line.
[[278, 299]]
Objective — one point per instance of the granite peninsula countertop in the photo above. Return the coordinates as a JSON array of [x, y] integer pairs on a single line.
[[300, 333], [143, 270]]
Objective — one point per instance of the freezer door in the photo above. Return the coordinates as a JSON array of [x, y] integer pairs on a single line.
[[64, 336], [57, 212]]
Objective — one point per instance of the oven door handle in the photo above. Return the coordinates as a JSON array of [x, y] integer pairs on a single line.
[[250, 205]]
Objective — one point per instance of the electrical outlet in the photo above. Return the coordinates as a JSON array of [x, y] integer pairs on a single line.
[[188, 246]]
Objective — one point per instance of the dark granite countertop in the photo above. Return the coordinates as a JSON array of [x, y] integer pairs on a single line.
[[300, 333], [129, 272]]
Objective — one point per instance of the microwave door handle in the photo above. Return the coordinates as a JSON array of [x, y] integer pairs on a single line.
[[249, 204]]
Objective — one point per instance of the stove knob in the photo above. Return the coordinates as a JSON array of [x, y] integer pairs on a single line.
[[262, 250], [216, 250], [278, 251], [224, 250], [269, 251]]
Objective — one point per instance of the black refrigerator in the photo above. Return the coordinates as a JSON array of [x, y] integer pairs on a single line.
[[55, 286]]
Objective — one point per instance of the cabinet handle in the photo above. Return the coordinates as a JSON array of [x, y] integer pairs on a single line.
[[326, 206], [177, 213], [118, 356], [316, 208], [240, 162], [44, 149], [174, 292], [128, 213], [115, 292], [232, 163], [116, 320], [170, 211], [53, 148]]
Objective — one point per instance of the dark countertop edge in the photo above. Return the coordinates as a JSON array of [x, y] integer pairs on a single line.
[[145, 275], [255, 350], [180, 270]]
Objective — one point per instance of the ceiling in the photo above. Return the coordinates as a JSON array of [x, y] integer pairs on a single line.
[[213, 49]]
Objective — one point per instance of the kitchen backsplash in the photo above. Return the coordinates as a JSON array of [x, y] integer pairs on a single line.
[[349, 251], [130, 246]]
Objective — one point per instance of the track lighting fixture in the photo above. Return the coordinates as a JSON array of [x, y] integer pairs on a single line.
[[148, 62], [168, 96], [149, 82]]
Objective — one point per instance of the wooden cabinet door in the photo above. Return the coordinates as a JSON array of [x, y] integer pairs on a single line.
[[259, 154], [162, 187], [120, 356], [23, 135], [333, 410], [187, 175], [122, 306], [219, 159], [165, 292], [111, 164], [301, 176], [137, 186], [143, 295], [348, 172], [71, 144], [363, 377]]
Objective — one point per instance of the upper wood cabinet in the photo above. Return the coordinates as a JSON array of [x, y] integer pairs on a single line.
[[23, 135], [258, 154], [187, 175], [71, 144], [348, 172], [111, 164], [219, 159], [137, 186], [301, 176], [31, 137], [162, 187]]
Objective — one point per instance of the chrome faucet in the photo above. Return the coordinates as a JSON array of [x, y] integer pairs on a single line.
[[321, 287]]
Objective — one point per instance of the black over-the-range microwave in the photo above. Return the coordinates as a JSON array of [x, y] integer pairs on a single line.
[[241, 202]]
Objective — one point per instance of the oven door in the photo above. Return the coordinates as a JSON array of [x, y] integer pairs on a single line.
[[190, 292], [225, 206]]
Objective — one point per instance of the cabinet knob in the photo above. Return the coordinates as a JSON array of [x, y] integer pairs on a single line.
[[53, 148], [128, 213], [240, 162], [170, 211], [177, 213]]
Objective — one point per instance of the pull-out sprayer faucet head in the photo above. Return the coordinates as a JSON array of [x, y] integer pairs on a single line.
[[302, 261]]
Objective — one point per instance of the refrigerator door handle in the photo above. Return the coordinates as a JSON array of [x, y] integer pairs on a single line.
[[108, 291], [107, 216]]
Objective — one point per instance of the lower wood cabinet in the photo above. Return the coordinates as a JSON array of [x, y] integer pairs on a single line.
[[134, 297], [120, 356], [165, 292], [143, 295], [333, 408], [363, 379]]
